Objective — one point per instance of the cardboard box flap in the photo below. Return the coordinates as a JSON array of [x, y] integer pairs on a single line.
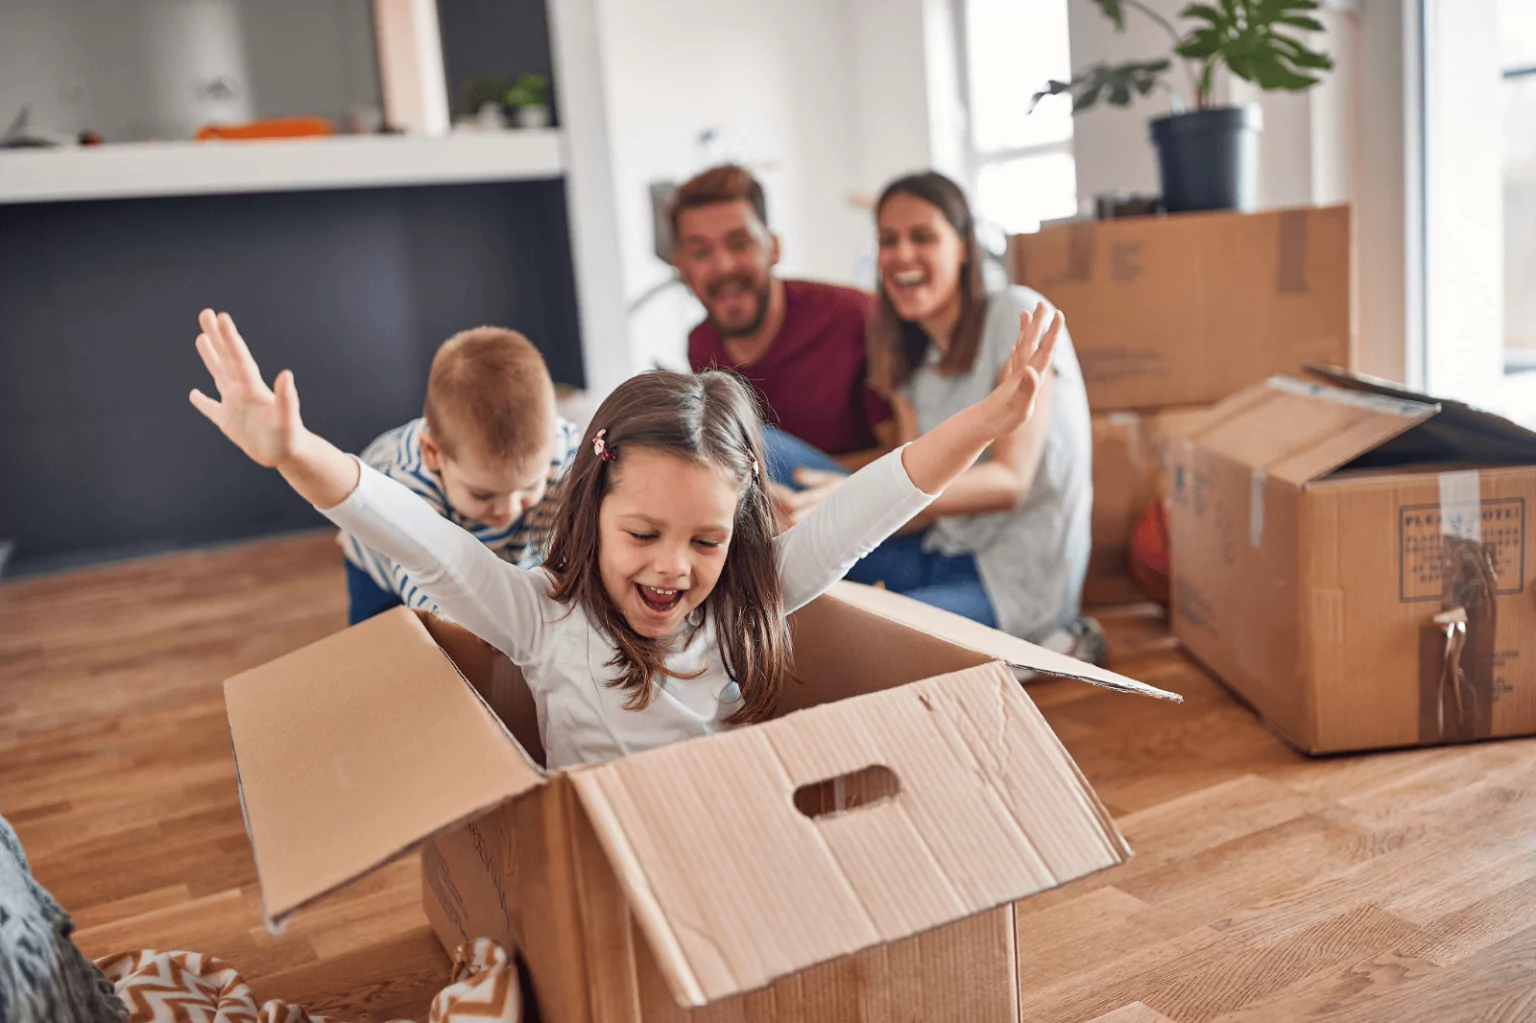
[[744, 861], [354, 749], [963, 632], [1364, 382], [1297, 431], [1459, 433]]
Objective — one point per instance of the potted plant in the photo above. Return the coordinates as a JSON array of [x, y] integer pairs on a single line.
[[481, 101], [1207, 157], [529, 97]]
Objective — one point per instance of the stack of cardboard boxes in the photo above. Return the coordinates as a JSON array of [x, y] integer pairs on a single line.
[[1171, 314], [1349, 557]]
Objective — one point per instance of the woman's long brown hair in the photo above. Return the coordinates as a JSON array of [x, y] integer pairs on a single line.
[[708, 418], [896, 346]]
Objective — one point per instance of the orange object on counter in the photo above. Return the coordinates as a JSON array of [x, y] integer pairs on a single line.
[[273, 128]]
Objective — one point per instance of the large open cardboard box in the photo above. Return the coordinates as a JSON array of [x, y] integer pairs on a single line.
[[854, 858], [1186, 309], [1354, 560]]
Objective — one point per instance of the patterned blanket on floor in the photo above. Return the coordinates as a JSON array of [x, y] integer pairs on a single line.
[[44, 978], [189, 987]]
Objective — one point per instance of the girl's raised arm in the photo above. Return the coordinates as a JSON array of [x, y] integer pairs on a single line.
[[883, 496], [504, 605]]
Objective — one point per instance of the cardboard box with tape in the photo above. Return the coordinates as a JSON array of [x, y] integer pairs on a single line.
[[1355, 560], [854, 858], [1186, 309], [1130, 461]]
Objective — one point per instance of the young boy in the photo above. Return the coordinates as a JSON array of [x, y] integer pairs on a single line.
[[487, 454]]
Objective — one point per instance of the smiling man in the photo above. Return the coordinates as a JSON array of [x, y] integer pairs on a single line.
[[800, 344]]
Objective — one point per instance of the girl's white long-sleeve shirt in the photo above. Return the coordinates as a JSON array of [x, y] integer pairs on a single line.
[[564, 655]]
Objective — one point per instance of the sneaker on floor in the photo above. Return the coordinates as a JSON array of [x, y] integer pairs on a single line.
[[1088, 642]]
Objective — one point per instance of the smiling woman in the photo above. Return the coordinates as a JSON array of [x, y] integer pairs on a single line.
[[1007, 544]]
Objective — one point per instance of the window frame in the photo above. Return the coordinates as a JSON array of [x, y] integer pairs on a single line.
[[975, 157]]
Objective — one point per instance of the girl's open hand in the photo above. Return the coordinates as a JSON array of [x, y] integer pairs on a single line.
[[263, 422], [1012, 401]]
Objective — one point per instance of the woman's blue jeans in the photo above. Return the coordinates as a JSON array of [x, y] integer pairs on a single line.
[[950, 582]]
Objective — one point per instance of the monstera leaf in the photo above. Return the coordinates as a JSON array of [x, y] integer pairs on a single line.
[[1115, 84], [1114, 10], [1248, 36]]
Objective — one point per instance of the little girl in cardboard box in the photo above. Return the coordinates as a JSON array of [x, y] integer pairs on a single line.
[[661, 610]]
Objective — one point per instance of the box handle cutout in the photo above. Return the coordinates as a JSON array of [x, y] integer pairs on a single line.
[[864, 787]]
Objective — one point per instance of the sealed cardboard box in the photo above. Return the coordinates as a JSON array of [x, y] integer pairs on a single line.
[[1354, 560], [1186, 309], [856, 857], [1129, 465]]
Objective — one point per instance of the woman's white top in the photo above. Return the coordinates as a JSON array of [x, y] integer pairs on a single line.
[[1032, 559]]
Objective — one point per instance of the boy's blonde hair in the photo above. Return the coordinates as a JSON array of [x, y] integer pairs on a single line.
[[490, 392]]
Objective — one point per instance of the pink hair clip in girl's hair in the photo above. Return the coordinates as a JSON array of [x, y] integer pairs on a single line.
[[600, 447]]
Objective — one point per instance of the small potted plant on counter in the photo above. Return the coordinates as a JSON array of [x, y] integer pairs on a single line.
[[529, 97], [1207, 157], [480, 103]]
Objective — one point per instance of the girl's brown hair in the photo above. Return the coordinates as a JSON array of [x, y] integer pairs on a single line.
[[709, 418], [896, 346]]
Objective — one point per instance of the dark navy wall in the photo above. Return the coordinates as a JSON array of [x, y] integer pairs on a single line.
[[101, 456]]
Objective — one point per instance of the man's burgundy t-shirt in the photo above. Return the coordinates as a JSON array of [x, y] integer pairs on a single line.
[[812, 377]]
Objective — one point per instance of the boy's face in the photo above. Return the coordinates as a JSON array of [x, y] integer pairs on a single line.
[[664, 528], [490, 491]]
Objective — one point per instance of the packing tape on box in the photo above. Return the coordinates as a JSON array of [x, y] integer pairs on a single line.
[[1256, 508], [1291, 259], [1081, 244], [1461, 505], [1132, 426], [1456, 650]]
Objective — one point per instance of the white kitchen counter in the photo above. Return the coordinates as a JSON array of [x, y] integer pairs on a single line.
[[129, 170]]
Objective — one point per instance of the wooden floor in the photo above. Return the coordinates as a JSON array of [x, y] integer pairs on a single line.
[[1266, 886]]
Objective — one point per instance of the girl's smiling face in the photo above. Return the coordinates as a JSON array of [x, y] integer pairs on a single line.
[[664, 528]]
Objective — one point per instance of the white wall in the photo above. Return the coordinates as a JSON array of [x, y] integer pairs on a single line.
[[823, 99], [893, 121], [1110, 144]]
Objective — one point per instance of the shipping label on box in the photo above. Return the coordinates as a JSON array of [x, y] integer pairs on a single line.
[[1423, 529]]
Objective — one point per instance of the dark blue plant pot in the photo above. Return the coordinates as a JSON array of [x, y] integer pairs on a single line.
[[1209, 159]]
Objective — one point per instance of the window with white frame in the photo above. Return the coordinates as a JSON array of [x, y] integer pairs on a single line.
[[1020, 163], [1476, 263], [1517, 53]]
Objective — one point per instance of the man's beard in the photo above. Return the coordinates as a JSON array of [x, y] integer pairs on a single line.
[[755, 322]]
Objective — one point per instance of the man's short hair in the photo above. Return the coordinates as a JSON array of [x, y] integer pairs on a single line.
[[490, 392], [726, 183]]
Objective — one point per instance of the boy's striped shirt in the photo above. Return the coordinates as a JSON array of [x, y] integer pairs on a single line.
[[397, 454]]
